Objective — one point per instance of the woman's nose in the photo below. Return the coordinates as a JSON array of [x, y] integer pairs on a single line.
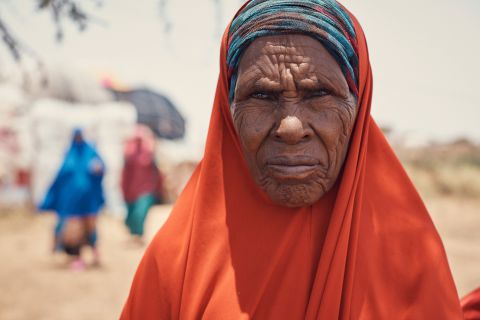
[[292, 131]]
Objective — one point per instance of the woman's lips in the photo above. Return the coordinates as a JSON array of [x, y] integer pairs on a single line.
[[296, 167]]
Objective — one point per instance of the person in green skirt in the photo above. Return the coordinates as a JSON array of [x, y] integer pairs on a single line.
[[140, 180]]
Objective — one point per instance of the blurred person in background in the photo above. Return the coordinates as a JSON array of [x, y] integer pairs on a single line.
[[76, 195], [141, 180]]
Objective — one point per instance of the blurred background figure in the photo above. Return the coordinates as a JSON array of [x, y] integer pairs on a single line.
[[76, 195], [141, 180]]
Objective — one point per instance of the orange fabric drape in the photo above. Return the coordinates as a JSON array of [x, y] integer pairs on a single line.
[[367, 250], [471, 305]]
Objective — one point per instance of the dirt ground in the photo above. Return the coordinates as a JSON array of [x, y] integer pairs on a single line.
[[36, 285]]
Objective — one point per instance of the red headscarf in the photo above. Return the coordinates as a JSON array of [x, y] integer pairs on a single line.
[[366, 250]]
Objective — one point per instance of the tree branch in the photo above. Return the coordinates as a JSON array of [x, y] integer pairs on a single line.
[[60, 10], [10, 41], [70, 9]]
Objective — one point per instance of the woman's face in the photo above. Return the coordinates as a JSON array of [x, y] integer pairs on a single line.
[[78, 137], [294, 114]]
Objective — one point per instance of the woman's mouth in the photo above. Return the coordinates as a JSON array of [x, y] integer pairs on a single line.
[[292, 167]]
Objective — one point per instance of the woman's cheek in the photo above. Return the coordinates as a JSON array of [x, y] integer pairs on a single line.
[[327, 130], [253, 127]]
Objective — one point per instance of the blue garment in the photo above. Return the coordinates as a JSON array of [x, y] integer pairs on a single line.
[[77, 188]]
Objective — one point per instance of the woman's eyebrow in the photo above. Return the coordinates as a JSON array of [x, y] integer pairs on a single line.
[[249, 77], [265, 84], [319, 81], [308, 84]]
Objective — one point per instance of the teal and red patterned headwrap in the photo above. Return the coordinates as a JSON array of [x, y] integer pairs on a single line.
[[324, 20]]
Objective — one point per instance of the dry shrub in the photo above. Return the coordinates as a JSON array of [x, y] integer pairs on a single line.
[[441, 170], [422, 179], [461, 180], [176, 177]]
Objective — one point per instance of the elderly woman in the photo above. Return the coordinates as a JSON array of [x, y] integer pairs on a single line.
[[299, 208]]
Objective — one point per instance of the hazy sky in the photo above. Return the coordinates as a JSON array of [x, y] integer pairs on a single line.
[[424, 56]]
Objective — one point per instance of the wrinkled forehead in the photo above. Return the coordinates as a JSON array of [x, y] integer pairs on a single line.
[[288, 62], [286, 44], [324, 21], [290, 49]]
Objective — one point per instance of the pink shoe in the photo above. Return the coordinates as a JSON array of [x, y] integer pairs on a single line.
[[78, 265]]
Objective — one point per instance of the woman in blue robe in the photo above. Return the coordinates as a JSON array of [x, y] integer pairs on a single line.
[[76, 195]]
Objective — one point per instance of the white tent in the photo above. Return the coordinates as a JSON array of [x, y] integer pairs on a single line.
[[12, 113]]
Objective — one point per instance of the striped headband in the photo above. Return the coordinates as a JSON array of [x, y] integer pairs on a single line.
[[324, 20]]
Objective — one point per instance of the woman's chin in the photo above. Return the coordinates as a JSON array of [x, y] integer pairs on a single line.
[[295, 195]]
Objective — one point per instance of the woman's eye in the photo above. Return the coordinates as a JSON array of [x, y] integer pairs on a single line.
[[262, 95], [319, 93]]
